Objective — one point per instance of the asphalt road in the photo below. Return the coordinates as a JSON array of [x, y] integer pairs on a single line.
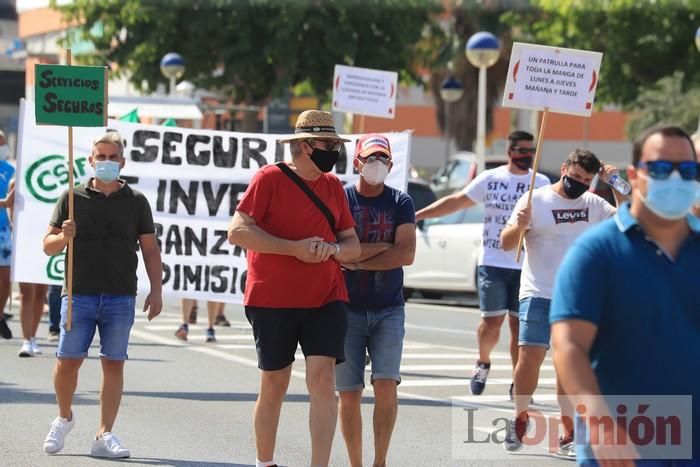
[[190, 404]]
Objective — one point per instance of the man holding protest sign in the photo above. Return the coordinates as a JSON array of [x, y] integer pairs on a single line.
[[295, 223], [385, 223], [499, 273], [558, 214], [111, 222]]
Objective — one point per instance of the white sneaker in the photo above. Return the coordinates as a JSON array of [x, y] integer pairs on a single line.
[[60, 427], [26, 350], [108, 445], [35, 347]]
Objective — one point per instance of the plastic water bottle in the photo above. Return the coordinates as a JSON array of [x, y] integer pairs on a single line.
[[620, 184]]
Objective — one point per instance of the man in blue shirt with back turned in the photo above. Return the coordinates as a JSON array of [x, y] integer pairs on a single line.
[[625, 314], [385, 223]]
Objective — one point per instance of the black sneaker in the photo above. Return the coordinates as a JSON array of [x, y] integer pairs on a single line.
[[8, 316], [211, 337], [516, 431], [222, 321], [5, 330], [479, 376]]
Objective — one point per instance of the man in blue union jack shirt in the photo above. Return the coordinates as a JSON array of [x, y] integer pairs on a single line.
[[385, 223]]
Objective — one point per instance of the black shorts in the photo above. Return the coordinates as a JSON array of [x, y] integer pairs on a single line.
[[277, 331]]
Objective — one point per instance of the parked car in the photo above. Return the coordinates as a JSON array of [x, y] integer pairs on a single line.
[[447, 249]]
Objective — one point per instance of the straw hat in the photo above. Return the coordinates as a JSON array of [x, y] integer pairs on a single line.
[[314, 124]]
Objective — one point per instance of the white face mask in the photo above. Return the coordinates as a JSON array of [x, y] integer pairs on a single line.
[[375, 172], [4, 152]]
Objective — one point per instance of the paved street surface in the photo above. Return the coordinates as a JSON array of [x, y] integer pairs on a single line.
[[190, 403]]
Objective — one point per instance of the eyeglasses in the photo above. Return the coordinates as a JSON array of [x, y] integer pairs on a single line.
[[524, 151], [662, 169], [325, 145], [377, 156]]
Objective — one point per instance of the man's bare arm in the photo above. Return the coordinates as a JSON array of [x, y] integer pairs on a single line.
[[445, 206]]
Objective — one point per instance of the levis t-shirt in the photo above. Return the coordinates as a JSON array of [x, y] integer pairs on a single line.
[[555, 222], [499, 190]]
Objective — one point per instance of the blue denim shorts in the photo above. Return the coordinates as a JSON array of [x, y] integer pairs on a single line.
[[112, 315], [379, 333], [5, 246], [534, 322], [498, 291]]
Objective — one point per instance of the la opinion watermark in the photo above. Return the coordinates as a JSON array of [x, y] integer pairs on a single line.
[[649, 427]]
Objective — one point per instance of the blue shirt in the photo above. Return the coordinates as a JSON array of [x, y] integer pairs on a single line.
[[645, 305], [376, 220], [7, 171]]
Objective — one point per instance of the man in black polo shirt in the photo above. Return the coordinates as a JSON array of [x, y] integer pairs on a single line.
[[111, 221]]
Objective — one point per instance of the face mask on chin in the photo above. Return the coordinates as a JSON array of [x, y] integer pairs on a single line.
[[672, 198], [573, 188], [375, 172], [323, 159]]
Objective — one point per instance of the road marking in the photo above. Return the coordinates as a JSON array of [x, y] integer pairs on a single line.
[[450, 308], [439, 382], [450, 356], [462, 368], [437, 329]]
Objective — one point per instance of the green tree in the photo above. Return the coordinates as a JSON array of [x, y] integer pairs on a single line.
[[668, 102], [254, 49], [642, 40]]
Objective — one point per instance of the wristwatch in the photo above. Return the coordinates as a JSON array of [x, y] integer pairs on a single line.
[[337, 248]]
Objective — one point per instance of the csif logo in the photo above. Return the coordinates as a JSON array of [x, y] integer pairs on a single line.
[[48, 177], [56, 267]]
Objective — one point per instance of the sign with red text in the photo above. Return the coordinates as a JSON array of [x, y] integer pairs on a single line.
[[365, 91]]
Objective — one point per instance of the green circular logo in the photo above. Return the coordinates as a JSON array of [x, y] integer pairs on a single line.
[[56, 267], [47, 178]]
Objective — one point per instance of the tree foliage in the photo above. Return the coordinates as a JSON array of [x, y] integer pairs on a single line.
[[668, 102], [259, 47], [642, 40]]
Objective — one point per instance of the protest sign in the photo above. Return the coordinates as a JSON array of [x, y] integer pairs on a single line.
[[559, 80], [551, 79], [365, 91], [193, 180], [70, 95]]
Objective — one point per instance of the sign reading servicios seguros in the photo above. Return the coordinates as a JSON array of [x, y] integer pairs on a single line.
[[70, 95]]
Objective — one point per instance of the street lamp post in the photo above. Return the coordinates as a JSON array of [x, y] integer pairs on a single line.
[[172, 66], [697, 46], [451, 91], [482, 51]]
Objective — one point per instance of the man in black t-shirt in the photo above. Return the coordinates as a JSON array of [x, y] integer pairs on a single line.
[[111, 222]]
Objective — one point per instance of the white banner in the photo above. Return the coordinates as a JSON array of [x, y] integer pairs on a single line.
[[193, 180], [364, 91]]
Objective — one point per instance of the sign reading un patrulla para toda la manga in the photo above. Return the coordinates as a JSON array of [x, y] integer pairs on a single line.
[[70, 95]]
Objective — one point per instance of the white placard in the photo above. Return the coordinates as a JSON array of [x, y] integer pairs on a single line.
[[365, 91], [560, 80], [193, 180]]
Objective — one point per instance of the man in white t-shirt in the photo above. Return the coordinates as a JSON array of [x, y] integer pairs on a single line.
[[558, 215], [498, 273]]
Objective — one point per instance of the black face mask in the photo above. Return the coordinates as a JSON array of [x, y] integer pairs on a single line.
[[523, 163], [324, 160], [573, 188]]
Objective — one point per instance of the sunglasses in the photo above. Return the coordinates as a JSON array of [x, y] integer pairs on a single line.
[[662, 169], [325, 145], [377, 156], [524, 151]]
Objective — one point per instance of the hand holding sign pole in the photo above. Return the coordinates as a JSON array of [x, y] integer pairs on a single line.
[[70, 96], [550, 79]]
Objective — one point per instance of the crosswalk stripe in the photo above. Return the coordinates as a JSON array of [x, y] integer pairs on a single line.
[[463, 382], [462, 367], [449, 356]]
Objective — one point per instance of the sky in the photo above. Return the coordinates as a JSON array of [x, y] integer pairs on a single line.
[[23, 5]]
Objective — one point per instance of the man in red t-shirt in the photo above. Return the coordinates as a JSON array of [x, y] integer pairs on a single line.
[[295, 292]]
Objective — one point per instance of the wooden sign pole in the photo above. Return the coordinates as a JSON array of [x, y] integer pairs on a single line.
[[535, 165], [69, 255]]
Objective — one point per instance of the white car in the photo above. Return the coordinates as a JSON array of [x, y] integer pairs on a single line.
[[447, 249]]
